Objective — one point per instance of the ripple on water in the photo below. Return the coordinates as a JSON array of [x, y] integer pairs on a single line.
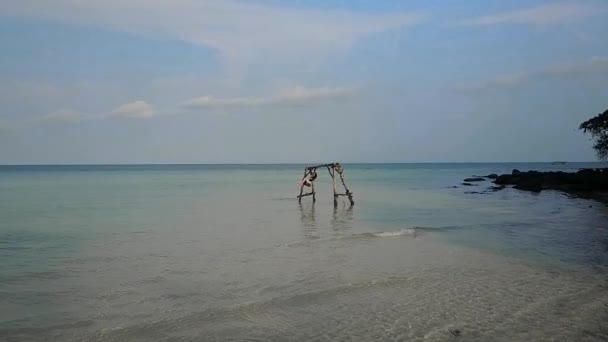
[[469, 298]]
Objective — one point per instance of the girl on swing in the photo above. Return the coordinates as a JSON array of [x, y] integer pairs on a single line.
[[309, 178]]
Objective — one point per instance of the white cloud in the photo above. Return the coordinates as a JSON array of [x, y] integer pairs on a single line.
[[137, 110], [593, 66], [297, 96], [68, 115], [134, 110], [556, 13], [240, 30]]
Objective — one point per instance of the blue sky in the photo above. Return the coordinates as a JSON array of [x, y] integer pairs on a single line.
[[224, 81]]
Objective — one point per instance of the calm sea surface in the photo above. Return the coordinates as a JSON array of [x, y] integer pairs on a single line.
[[204, 253]]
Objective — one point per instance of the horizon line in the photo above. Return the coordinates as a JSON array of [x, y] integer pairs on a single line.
[[298, 163]]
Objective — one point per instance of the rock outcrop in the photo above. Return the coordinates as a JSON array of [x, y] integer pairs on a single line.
[[583, 181]]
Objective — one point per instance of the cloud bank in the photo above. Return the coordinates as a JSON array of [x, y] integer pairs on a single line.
[[239, 30], [134, 110], [298, 96], [593, 66], [557, 13]]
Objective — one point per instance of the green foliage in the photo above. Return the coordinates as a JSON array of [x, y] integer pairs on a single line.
[[598, 128]]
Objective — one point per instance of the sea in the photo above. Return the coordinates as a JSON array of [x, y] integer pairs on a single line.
[[227, 253]]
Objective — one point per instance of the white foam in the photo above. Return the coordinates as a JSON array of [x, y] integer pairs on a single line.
[[402, 232]]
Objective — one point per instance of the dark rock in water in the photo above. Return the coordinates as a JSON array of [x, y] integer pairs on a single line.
[[492, 176], [455, 332], [472, 192], [474, 179], [469, 184], [497, 188], [530, 186], [504, 179], [587, 181], [453, 187]]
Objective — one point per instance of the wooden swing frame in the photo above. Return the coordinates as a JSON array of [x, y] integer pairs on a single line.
[[332, 168]]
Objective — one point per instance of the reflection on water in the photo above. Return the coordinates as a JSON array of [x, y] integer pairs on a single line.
[[307, 215], [342, 219], [339, 220], [309, 224]]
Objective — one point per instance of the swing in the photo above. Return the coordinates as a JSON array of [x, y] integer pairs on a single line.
[[310, 174]]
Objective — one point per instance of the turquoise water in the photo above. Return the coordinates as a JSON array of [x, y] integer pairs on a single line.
[[225, 252]]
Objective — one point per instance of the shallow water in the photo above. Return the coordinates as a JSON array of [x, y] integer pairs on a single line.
[[180, 253]]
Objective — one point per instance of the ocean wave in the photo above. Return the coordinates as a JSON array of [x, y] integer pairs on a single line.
[[405, 232], [402, 232], [414, 231]]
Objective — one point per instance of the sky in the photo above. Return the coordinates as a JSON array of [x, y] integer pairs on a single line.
[[272, 81]]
